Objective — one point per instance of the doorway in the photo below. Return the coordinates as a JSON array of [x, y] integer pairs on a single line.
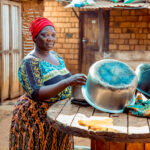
[[10, 49], [94, 36]]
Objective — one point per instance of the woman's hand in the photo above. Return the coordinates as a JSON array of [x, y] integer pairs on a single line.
[[77, 79]]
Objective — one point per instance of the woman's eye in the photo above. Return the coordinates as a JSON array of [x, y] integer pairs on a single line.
[[44, 35], [53, 35], [48, 35]]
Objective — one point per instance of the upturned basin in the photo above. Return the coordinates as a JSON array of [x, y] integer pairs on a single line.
[[110, 86]]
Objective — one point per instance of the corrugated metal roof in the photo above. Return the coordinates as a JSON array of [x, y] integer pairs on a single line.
[[109, 4]]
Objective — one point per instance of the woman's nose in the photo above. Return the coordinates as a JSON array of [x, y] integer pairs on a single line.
[[51, 38]]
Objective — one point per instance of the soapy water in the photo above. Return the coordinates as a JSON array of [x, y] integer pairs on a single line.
[[115, 73]]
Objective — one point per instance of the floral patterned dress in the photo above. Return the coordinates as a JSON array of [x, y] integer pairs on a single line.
[[30, 129]]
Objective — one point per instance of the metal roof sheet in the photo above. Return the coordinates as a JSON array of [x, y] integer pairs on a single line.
[[109, 4]]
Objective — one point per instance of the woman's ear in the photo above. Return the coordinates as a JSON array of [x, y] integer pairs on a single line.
[[34, 40]]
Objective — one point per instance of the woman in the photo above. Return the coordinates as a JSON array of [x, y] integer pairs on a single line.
[[46, 80]]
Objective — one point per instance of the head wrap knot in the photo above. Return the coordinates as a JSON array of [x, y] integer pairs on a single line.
[[38, 24]]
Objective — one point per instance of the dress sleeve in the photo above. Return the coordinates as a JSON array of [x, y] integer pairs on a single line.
[[30, 77]]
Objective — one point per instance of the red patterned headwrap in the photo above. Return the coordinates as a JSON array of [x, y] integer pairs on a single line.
[[38, 24]]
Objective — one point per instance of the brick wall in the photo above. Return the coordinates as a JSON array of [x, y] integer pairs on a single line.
[[30, 9], [66, 25], [67, 32], [129, 29]]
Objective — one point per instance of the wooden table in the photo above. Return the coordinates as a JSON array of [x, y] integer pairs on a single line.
[[134, 131]]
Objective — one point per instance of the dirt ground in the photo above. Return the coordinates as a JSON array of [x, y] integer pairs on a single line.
[[6, 108]]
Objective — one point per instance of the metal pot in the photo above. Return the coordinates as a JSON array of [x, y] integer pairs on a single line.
[[110, 86]]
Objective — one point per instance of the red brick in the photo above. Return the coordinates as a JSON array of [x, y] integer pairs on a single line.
[[125, 24], [124, 36], [114, 36], [119, 41], [125, 12], [140, 36], [140, 47], [117, 30], [133, 41], [115, 13], [133, 18], [133, 36], [112, 46], [73, 30], [69, 56], [60, 9], [141, 24], [141, 42], [73, 51], [75, 56], [67, 46], [58, 45], [146, 30], [148, 47], [111, 18], [120, 18], [132, 47], [146, 42], [124, 47], [60, 40], [126, 41], [130, 30], [74, 62], [132, 12], [73, 41], [145, 18], [111, 30], [141, 12]]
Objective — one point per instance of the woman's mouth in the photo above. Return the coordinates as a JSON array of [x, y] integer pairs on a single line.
[[50, 44]]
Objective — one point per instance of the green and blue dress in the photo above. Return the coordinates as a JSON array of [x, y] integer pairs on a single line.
[[30, 128]]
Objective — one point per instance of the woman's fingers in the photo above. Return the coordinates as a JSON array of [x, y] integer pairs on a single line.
[[77, 79]]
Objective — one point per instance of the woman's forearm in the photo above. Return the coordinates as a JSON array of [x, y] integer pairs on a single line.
[[46, 92]]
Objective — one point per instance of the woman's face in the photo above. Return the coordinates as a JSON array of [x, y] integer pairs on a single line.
[[46, 38]]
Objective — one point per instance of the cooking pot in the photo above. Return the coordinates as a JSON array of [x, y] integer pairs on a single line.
[[110, 86], [143, 74]]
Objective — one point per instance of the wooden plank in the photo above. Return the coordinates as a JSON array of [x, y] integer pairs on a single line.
[[90, 39], [55, 109], [102, 30], [99, 145], [137, 125], [116, 146], [15, 49], [120, 122], [83, 113], [147, 146], [100, 113], [67, 114], [135, 146], [5, 57], [1, 68]]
